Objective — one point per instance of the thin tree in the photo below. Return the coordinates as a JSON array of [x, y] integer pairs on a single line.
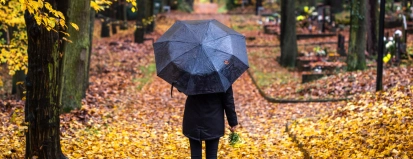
[[258, 4], [43, 82], [149, 16], [372, 27], [356, 59], [336, 5], [288, 34], [140, 30]]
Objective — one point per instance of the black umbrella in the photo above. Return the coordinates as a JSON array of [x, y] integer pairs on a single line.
[[200, 56]]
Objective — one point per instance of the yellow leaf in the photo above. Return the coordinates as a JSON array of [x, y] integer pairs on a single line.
[[51, 22], [48, 6], [60, 14], [62, 23], [75, 26], [65, 39], [94, 5], [38, 19], [40, 2]]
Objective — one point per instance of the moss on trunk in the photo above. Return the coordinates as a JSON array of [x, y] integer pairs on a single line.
[[356, 59], [76, 55]]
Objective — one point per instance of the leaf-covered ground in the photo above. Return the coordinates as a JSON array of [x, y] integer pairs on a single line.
[[281, 83], [125, 116], [129, 111], [373, 125]]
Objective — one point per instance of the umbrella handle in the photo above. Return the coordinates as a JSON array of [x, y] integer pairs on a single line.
[[172, 87]]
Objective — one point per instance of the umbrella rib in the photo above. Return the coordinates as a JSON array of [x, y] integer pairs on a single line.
[[209, 61], [193, 33], [181, 55], [220, 51], [209, 25], [223, 37]]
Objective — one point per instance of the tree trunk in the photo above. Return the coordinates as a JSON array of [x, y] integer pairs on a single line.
[[288, 34], [76, 55], [113, 10], [91, 31], [312, 3], [356, 59], [404, 4], [140, 31], [43, 82], [336, 6], [372, 27], [124, 25], [191, 4], [149, 15], [257, 5]]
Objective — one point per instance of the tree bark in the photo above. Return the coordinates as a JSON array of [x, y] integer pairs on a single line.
[[257, 5], [312, 3], [148, 15], [336, 5], [356, 59], [372, 27], [76, 55], [91, 30], [114, 20], [124, 25], [140, 31], [288, 34], [43, 98]]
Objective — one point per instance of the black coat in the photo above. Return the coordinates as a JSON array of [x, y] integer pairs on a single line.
[[204, 115]]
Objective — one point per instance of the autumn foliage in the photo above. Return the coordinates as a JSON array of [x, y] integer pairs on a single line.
[[128, 111], [373, 125]]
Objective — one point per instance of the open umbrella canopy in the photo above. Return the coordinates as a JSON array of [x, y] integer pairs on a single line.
[[200, 56]]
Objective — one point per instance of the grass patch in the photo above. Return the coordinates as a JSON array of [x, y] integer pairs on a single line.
[[266, 70], [267, 79], [147, 72]]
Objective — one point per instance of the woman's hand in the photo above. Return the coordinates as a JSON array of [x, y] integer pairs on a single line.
[[233, 128]]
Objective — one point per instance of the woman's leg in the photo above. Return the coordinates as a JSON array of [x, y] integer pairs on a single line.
[[211, 148], [196, 149]]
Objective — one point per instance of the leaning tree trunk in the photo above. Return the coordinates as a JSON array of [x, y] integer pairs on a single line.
[[372, 27], [76, 55], [288, 34], [43, 96], [356, 59]]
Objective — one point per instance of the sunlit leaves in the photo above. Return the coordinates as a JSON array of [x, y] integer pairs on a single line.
[[373, 125], [95, 6], [75, 26], [100, 5], [15, 54], [134, 4]]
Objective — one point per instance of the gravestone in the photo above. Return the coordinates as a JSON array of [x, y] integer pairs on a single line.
[[341, 50]]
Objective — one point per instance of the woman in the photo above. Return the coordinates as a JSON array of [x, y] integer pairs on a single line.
[[204, 121]]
